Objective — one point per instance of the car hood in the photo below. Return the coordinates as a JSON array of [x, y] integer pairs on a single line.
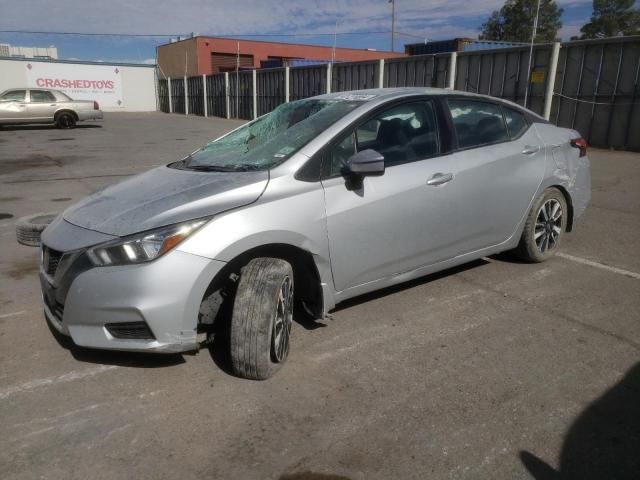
[[164, 196]]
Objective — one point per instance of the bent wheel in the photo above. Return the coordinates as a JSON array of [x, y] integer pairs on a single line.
[[262, 318]]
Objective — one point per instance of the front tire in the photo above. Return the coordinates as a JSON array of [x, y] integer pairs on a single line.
[[545, 226], [262, 318]]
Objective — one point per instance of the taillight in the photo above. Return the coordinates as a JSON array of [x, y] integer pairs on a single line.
[[95, 105], [581, 144]]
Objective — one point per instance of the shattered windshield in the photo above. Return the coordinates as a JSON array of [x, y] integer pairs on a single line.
[[269, 140]]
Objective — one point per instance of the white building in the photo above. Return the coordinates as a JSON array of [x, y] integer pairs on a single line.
[[10, 51]]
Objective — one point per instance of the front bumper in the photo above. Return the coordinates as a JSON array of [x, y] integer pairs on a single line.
[[164, 294]]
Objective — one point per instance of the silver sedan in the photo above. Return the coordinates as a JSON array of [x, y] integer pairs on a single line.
[[41, 105], [319, 201]]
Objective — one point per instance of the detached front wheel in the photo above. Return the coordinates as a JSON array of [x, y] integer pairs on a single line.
[[262, 318]]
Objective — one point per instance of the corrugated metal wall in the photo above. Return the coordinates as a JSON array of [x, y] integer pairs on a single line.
[[597, 90], [216, 96], [354, 76], [195, 95], [598, 81], [270, 85], [417, 71]]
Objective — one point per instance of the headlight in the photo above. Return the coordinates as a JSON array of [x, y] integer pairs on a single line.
[[142, 247]]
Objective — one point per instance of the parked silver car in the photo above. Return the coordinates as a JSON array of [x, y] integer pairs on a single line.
[[319, 201], [41, 105]]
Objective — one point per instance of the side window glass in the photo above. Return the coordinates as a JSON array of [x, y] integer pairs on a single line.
[[339, 155], [17, 95], [516, 122], [41, 96], [477, 123], [402, 134]]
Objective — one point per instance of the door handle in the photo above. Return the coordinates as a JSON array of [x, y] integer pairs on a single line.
[[440, 179], [530, 149]]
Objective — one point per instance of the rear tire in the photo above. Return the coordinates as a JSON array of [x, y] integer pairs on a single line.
[[545, 226], [66, 120], [262, 318]]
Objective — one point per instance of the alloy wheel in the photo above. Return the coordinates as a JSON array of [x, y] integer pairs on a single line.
[[548, 225], [282, 323]]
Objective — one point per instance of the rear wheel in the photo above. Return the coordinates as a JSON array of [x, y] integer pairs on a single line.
[[546, 223], [262, 318], [65, 120]]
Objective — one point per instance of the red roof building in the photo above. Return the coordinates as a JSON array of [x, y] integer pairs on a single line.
[[208, 55]]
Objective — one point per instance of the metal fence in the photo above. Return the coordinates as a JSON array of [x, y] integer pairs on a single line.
[[417, 71], [595, 88], [598, 92]]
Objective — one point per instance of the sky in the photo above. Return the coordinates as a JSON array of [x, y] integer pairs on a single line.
[[416, 21]]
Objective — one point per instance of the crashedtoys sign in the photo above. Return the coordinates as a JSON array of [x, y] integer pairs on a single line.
[[81, 82]]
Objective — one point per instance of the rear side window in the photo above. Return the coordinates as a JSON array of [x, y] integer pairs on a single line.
[[477, 123], [42, 96], [17, 95], [516, 122]]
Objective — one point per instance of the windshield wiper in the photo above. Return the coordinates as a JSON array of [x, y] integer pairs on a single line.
[[223, 168]]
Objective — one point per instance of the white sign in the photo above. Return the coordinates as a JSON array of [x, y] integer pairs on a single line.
[[81, 82]]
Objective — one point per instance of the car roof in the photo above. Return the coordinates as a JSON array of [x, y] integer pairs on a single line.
[[379, 95]]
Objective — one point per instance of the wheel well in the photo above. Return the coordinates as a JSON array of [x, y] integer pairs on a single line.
[[60, 112], [308, 291], [567, 197]]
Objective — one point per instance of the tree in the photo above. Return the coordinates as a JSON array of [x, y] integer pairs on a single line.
[[612, 18], [514, 22]]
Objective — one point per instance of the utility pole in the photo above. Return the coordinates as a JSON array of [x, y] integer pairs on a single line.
[[393, 24]]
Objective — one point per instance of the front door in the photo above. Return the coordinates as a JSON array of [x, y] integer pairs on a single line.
[[13, 107], [401, 220]]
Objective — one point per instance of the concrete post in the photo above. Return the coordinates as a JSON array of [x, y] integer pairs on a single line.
[[328, 78], [381, 73], [186, 97], [254, 77], [170, 98], [227, 100], [453, 62], [286, 84], [204, 94], [551, 80]]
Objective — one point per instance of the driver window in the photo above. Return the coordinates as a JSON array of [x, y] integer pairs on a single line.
[[17, 95], [402, 134]]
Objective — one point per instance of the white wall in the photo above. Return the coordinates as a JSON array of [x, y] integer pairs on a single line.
[[138, 82]]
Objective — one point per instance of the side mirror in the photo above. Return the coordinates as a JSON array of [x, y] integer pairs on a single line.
[[366, 163]]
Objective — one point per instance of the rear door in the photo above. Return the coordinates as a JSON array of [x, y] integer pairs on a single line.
[[499, 164], [42, 105], [13, 106]]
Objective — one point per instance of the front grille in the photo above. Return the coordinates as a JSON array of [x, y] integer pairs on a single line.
[[130, 330], [50, 260]]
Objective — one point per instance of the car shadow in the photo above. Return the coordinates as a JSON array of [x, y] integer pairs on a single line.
[[118, 358], [11, 128], [603, 442]]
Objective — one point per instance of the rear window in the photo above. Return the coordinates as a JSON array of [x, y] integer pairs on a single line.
[[477, 123], [42, 96], [516, 122]]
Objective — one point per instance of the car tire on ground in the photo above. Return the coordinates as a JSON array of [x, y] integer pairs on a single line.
[[544, 228], [65, 120], [28, 229], [262, 318]]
